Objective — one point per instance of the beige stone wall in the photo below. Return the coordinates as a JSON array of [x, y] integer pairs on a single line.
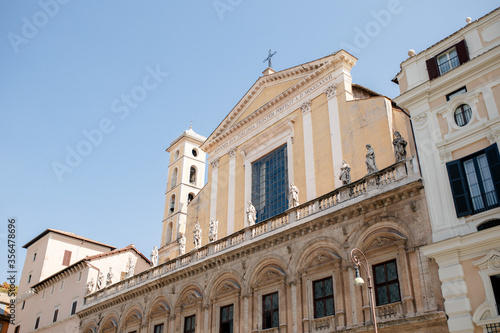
[[389, 226]]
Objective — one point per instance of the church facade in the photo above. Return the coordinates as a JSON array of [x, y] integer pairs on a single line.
[[305, 168]]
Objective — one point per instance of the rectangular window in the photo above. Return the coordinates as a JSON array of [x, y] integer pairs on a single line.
[[52, 290], [43, 294], [226, 319], [446, 61], [323, 298], [62, 285], [386, 283], [158, 328], [34, 256], [190, 324], [73, 307], [29, 278], [495, 284], [270, 184], [37, 322], [56, 312], [270, 311], [66, 258], [79, 277], [22, 306], [457, 92], [475, 181]]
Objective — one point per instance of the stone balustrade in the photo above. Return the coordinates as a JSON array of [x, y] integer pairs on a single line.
[[371, 185]]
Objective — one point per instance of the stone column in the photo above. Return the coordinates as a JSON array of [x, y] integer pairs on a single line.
[[405, 281], [308, 151]]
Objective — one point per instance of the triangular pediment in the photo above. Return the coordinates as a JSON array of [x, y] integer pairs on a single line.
[[271, 90]]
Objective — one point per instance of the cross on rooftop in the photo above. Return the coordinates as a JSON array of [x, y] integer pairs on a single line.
[[268, 59]]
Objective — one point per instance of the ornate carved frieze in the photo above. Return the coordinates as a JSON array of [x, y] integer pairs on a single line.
[[420, 120], [306, 107], [331, 91]]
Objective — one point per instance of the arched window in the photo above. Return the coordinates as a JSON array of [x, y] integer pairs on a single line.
[[168, 234], [489, 224], [173, 180], [192, 176], [172, 203], [463, 114], [190, 197]]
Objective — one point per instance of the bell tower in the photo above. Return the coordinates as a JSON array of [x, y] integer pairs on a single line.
[[186, 177]]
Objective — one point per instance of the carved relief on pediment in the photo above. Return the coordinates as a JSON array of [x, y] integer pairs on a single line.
[[190, 299], [321, 257], [133, 318], [160, 309], [270, 274]]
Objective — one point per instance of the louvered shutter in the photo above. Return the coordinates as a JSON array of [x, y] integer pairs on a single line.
[[459, 188], [432, 68], [494, 163], [462, 53]]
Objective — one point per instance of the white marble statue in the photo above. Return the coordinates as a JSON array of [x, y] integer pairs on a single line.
[[154, 256], [293, 196], [100, 280], [89, 286], [197, 236], [345, 173], [399, 146], [251, 214], [213, 229], [109, 277], [370, 160], [182, 244], [130, 266]]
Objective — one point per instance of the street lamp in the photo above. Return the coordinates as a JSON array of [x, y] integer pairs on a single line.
[[358, 281]]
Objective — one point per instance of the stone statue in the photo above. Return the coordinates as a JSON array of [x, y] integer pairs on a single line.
[[399, 146], [182, 244], [100, 280], [197, 236], [90, 286], [154, 256], [293, 196], [130, 266], [213, 229], [370, 160], [345, 173], [251, 213], [109, 277]]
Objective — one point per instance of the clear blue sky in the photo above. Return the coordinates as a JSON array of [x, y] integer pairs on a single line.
[[65, 67]]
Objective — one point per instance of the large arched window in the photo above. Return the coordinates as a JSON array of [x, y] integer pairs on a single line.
[[172, 204], [192, 175], [173, 180]]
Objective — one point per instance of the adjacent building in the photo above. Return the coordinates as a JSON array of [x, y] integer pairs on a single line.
[[306, 167], [452, 92], [59, 270]]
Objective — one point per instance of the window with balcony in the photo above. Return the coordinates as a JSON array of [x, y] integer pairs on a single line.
[[226, 319], [270, 184], [447, 60], [386, 282], [190, 324], [270, 311], [323, 298], [475, 181]]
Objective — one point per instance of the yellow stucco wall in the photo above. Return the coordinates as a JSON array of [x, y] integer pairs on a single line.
[[323, 164]]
